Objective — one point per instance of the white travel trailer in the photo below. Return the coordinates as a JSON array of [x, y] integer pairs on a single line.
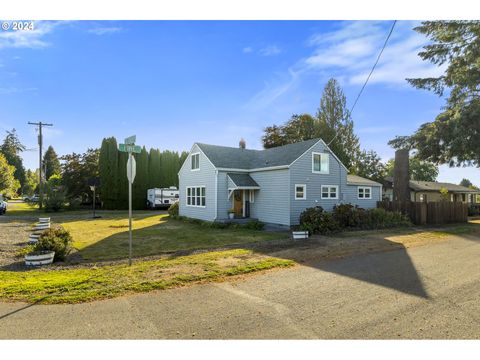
[[162, 198]]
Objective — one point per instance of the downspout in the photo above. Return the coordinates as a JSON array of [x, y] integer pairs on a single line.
[[216, 194]]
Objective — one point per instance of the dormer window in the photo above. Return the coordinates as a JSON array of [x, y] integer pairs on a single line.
[[320, 163], [195, 161]]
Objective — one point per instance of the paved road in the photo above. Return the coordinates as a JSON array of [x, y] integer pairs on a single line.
[[428, 292]]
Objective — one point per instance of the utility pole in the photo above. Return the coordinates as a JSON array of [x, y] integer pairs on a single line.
[[40, 167]]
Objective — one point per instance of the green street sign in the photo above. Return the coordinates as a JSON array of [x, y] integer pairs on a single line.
[[129, 148], [131, 140]]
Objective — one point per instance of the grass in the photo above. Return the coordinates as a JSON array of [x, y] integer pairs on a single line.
[[87, 284], [21, 208], [107, 238]]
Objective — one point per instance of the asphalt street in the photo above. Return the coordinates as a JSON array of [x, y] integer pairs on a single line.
[[430, 291]]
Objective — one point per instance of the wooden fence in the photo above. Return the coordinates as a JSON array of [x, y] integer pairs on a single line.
[[420, 213]]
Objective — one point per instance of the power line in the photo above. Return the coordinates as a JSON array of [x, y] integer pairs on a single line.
[[370, 74]]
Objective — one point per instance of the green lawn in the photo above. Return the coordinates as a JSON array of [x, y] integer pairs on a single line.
[[21, 208], [107, 238], [94, 283]]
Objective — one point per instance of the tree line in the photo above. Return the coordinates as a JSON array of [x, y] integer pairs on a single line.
[[333, 123], [154, 169], [70, 174]]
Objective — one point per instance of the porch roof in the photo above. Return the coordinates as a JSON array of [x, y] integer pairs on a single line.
[[243, 181]]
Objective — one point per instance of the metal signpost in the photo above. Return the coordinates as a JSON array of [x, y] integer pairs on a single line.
[[130, 147]]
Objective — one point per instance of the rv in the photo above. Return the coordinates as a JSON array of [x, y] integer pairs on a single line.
[[162, 198]]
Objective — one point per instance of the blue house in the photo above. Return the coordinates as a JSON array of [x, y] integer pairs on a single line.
[[273, 185]]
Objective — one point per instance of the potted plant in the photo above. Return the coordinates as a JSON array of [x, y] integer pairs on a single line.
[[40, 257], [231, 213]]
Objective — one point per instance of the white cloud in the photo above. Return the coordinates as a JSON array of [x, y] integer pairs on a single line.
[[349, 52], [104, 30], [247, 50], [15, 90], [270, 50], [28, 38]]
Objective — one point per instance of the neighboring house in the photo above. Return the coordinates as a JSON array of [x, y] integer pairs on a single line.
[[429, 191], [273, 185]]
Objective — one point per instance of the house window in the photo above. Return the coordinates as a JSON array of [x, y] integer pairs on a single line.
[[300, 191], [196, 196], [195, 161], [329, 192], [364, 192], [463, 197], [320, 163]]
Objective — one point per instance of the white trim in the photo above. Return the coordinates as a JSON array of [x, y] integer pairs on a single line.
[[195, 187], [251, 196], [188, 156], [328, 198], [254, 170], [313, 162], [304, 191], [363, 188], [243, 203], [245, 188], [191, 159], [329, 150], [216, 195]]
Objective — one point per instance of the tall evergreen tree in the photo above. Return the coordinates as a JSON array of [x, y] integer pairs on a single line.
[[11, 149], [108, 172], [140, 185], [51, 163], [332, 123], [122, 198], [154, 170], [452, 137], [336, 126]]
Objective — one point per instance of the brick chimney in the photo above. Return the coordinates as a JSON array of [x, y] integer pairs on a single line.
[[242, 144]]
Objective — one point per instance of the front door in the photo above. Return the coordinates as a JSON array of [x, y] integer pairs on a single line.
[[238, 203]]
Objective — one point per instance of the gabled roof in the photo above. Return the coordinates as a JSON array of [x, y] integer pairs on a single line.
[[358, 180], [243, 180], [436, 186], [237, 158], [416, 185]]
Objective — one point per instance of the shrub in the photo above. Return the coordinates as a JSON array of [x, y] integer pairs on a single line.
[[55, 239], [474, 210], [254, 225], [173, 209], [349, 217], [310, 219]]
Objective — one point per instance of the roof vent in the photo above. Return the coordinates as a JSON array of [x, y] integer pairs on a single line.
[[242, 144]]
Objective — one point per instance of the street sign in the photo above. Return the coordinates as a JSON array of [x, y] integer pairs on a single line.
[[131, 169], [130, 148], [131, 140]]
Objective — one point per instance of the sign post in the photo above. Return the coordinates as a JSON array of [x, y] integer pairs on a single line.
[[130, 147]]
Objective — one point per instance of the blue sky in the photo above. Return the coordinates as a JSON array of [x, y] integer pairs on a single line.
[[174, 83]]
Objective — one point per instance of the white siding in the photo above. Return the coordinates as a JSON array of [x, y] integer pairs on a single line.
[[203, 177], [301, 173]]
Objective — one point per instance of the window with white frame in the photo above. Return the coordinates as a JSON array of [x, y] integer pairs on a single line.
[[196, 196], [320, 163], [195, 161], [329, 192], [364, 192], [300, 191]]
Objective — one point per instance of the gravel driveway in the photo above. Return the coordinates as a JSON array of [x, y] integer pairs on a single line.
[[13, 236]]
